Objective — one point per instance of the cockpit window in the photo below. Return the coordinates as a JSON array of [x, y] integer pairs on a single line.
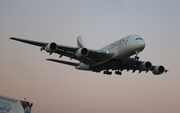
[[138, 38]]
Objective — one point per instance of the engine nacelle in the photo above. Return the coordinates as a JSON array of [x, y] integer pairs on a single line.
[[158, 70], [50, 47], [82, 52], [145, 66]]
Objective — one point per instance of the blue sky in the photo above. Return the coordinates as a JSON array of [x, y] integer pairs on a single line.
[[53, 87]]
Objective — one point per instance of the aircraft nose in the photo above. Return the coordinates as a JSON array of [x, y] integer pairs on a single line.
[[142, 44], [139, 44]]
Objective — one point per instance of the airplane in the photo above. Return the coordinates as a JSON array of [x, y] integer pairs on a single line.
[[116, 56]]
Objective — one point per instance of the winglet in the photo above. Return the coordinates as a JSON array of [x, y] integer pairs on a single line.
[[11, 38], [80, 43], [166, 71]]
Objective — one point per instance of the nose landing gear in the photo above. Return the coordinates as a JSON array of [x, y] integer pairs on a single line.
[[136, 57]]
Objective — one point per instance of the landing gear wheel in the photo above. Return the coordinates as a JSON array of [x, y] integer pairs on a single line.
[[107, 72], [136, 57], [118, 72]]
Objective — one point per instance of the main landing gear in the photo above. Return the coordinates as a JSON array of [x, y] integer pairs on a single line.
[[118, 72], [109, 72]]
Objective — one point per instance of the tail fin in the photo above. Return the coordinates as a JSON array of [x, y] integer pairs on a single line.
[[80, 43]]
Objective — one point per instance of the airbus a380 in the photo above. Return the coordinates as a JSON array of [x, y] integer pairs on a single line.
[[113, 57]]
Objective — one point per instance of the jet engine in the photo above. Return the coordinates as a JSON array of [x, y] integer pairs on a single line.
[[145, 66], [82, 52], [50, 47], [158, 70]]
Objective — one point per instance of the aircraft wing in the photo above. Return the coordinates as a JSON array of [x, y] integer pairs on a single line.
[[137, 65], [92, 57]]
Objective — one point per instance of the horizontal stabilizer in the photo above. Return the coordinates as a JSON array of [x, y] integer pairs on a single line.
[[63, 62]]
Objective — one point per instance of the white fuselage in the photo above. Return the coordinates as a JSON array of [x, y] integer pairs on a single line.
[[123, 49]]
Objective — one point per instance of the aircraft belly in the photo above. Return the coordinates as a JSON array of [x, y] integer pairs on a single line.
[[123, 53]]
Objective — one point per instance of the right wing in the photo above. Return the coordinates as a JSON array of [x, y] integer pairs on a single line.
[[91, 58]]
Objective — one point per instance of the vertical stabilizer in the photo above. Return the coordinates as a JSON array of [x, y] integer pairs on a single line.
[[80, 43]]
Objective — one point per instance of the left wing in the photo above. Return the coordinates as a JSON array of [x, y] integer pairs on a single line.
[[87, 56], [134, 65]]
